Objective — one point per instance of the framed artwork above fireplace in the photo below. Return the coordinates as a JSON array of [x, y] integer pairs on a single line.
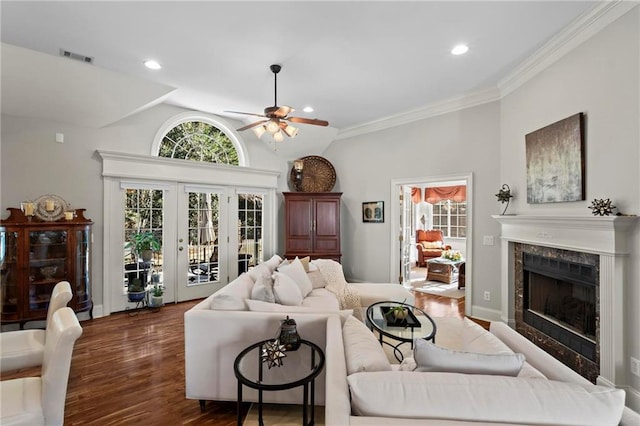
[[555, 162]]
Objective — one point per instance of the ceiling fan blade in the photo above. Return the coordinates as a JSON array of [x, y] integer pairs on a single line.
[[246, 113], [283, 111], [248, 126], [308, 121]]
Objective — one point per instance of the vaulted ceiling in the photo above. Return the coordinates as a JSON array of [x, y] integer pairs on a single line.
[[354, 62]]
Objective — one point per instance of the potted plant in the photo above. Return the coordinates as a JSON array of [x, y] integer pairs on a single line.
[[399, 312], [135, 290], [144, 244], [155, 298]]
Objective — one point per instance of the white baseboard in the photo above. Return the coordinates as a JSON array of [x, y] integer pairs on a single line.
[[633, 398], [485, 314]]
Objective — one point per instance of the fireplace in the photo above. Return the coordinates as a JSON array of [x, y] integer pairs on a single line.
[[559, 299], [584, 260], [556, 304]]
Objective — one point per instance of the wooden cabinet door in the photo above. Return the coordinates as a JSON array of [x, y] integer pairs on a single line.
[[299, 216], [327, 225]]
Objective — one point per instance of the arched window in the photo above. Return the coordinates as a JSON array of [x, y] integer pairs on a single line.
[[199, 138]]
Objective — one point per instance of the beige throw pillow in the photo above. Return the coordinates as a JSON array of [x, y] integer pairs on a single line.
[[362, 350]]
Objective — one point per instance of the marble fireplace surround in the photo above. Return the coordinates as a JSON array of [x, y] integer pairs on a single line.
[[604, 236]]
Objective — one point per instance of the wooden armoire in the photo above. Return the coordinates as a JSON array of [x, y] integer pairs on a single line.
[[312, 225]]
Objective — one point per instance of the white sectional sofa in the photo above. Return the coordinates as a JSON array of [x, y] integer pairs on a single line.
[[546, 392], [218, 328]]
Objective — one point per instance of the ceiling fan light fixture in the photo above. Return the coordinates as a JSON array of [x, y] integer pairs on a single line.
[[272, 126], [290, 131], [259, 131], [278, 137]]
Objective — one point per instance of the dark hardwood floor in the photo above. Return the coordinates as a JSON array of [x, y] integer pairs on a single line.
[[129, 369]]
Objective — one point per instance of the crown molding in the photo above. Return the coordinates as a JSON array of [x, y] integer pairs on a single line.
[[580, 30], [443, 107]]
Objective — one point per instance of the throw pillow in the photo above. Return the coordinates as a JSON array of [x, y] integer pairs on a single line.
[[296, 272], [431, 244], [285, 290], [430, 357], [305, 263], [263, 289], [273, 262], [316, 278], [362, 350]]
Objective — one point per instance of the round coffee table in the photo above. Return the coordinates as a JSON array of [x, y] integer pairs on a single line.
[[417, 325]]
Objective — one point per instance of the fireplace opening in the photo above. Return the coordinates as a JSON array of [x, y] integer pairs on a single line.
[[559, 300]]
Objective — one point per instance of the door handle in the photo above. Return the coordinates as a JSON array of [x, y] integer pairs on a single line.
[[180, 248]]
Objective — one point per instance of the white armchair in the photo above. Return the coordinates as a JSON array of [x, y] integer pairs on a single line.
[[25, 348], [40, 400]]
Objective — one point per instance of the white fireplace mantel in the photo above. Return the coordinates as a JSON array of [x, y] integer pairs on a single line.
[[605, 236], [591, 234]]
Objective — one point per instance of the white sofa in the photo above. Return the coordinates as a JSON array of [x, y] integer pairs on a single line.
[[447, 398], [217, 329]]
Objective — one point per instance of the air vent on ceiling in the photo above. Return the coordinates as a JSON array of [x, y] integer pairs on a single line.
[[76, 56]]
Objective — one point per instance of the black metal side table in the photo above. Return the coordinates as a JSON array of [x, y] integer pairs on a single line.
[[303, 366]]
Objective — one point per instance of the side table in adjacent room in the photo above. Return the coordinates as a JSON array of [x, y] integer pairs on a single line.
[[303, 365]]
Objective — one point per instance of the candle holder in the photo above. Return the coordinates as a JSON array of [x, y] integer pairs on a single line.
[[28, 208]]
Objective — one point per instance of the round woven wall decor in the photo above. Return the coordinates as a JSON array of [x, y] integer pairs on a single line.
[[318, 175]]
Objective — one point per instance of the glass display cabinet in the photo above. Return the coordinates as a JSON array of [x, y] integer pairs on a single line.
[[36, 254]]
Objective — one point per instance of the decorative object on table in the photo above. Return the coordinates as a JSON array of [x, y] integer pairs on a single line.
[[373, 212], [555, 162], [601, 207], [50, 207], [315, 174], [144, 244], [275, 117], [504, 196], [272, 353], [399, 316], [453, 255], [288, 335]]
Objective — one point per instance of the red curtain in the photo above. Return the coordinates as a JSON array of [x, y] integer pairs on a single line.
[[416, 195], [453, 193]]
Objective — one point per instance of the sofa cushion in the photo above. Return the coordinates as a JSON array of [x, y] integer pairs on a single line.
[[476, 339], [260, 306], [285, 290], [371, 293], [296, 272], [321, 298], [429, 357], [263, 289], [232, 296], [362, 350], [480, 398]]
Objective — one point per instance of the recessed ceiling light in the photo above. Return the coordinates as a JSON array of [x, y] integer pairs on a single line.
[[460, 49], [152, 65], [307, 109]]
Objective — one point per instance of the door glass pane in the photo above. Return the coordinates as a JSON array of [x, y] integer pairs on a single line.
[[249, 231], [204, 213], [143, 213], [9, 272]]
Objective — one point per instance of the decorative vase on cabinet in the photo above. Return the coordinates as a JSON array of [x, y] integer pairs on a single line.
[[312, 225], [34, 256]]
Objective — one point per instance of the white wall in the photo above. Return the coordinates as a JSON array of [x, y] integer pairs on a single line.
[[459, 142], [600, 78], [33, 164]]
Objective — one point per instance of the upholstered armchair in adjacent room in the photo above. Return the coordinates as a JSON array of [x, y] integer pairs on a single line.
[[430, 244]]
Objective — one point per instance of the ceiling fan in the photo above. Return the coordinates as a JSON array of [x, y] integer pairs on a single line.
[[276, 117]]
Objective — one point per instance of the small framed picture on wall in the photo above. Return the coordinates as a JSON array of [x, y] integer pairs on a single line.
[[373, 212]]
